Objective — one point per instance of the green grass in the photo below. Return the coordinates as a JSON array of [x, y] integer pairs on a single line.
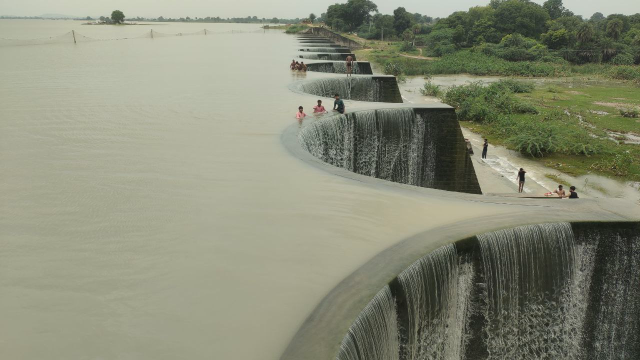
[[566, 142], [475, 63]]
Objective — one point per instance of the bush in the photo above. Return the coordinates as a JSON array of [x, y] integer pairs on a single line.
[[623, 59], [407, 46], [619, 165], [629, 113], [515, 86], [475, 102], [394, 69], [431, 89], [294, 29], [625, 73]]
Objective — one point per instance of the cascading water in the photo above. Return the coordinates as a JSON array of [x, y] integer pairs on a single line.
[[327, 56], [549, 291], [373, 88], [359, 68], [400, 145], [326, 50]]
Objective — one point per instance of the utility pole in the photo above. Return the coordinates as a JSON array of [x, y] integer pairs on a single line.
[[73, 32], [152, 33]]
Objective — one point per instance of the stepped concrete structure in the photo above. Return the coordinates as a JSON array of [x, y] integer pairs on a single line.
[[560, 271]]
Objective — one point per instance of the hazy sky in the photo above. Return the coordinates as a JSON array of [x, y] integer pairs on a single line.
[[269, 9]]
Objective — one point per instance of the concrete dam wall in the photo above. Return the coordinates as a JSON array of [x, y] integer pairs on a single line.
[[416, 146], [340, 67], [336, 38], [547, 291], [326, 50], [365, 88], [327, 56]]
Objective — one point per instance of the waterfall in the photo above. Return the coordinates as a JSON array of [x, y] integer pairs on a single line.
[[556, 291], [370, 88], [398, 145], [327, 56], [374, 335], [327, 50], [340, 67]]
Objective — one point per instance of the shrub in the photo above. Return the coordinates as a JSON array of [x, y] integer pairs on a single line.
[[515, 86], [394, 69], [623, 59], [407, 46], [619, 165], [294, 29], [630, 113], [431, 89]]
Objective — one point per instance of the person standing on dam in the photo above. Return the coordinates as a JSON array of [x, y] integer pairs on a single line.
[[485, 147], [349, 64], [520, 178], [338, 105]]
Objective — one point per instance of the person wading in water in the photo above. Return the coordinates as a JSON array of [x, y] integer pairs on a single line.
[[349, 64], [338, 105]]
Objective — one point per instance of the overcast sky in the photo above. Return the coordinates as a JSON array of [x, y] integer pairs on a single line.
[[269, 9]]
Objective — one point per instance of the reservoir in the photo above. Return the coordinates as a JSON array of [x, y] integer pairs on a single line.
[[150, 207]]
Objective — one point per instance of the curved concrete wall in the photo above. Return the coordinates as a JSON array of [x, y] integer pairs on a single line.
[[559, 290], [361, 88], [327, 56], [416, 146], [340, 67], [326, 50], [337, 38]]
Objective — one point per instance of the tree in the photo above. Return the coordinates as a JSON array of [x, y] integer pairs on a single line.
[[402, 20], [350, 16], [614, 28], [312, 17], [117, 16], [554, 8], [275, 20], [585, 33], [526, 18], [384, 23], [597, 17]]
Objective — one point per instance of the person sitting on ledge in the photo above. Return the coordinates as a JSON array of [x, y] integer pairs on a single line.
[[293, 65], [572, 193], [300, 114], [338, 105], [319, 109], [560, 192]]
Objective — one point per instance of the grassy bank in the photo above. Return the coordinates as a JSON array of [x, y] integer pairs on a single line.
[[575, 127], [477, 63], [289, 29]]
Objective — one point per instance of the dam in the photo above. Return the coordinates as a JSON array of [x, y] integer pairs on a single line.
[[162, 201]]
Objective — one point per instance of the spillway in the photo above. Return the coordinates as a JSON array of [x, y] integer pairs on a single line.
[[557, 291], [416, 146], [361, 88], [340, 67], [327, 56], [326, 50]]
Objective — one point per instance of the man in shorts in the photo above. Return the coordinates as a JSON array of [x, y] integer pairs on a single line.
[[349, 64], [520, 178]]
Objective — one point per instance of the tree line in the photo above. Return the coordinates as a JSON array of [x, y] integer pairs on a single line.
[[515, 30]]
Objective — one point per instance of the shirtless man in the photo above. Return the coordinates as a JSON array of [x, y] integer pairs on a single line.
[[349, 64], [560, 192]]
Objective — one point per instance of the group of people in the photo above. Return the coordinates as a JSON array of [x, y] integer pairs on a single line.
[[319, 109], [299, 66], [559, 192], [520, 177]]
